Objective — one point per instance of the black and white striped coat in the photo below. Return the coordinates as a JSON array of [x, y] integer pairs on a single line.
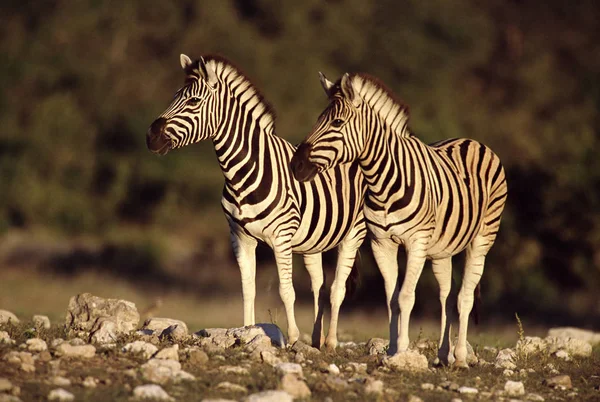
[[435, 200], [261, 200]]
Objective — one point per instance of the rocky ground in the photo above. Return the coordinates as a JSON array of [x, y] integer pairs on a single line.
[[102, 354]]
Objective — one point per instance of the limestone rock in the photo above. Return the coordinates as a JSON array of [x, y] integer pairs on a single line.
[[6, 317], [333, 369], [270, 396], [90, 382], [237, 370], [377, 346], [559, 381], [575, 347], [85, 309], [373, 386], [144, 349], [514, 388], [467, 390], [167, 327], [270, 358], [409, 361], [196, 357], [5, 338], [60, 381], [305, 349], [211, 332], [590, 337], [427, 386], [289, 368], [359, 368], [60, 394], [163, 371], [170, 353], [41, 321], [105, 331], [506, 359], [9, 398], [5, 385], [22, 359], [531, 345], [295, 386], [82, 351], [231, 387], [534, 397], [152, 392], [36, 345]]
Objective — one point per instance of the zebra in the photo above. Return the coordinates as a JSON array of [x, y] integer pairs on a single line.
[[435, 200], [261, 200]]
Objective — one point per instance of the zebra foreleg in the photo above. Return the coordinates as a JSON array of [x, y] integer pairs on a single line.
[[416, 255], [385, 252], [346, 256], [314, 266], [244, 249], [475, 260], [442, 269], [283, 259]]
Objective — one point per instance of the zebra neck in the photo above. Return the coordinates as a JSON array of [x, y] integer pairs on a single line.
[[381, 166], [242, 143]]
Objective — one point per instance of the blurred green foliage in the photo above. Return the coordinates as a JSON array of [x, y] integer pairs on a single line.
[[81, 82]]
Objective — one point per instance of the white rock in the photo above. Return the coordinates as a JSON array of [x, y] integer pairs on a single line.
[[105, 331], [377, 346], [374, 386], [563, 354], [295, 386], [5, 385], [60, 394], [237, 370], [5, 338], [427, 386], [270, 358], [41, 321], [169, 353], [514, 388], [85, 309], [590, 337], [534, 397], [289, 368], [575, 347], [231, 387], [409, 361], [467, 390], [55, 342], [6, 317], [151, 391], [414, 398], [270, 396], [60, 381], [506, 359], [161, 371], [176, 329], [144, 349], [83, 351], [333, 369], [531, 345], [36, 345], [508, 373], [9, 398], [90, 382], [360, 368]]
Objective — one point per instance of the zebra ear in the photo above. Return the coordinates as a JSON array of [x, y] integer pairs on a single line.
[[185, 61], [349, 92], [325, 83], [209, 75]]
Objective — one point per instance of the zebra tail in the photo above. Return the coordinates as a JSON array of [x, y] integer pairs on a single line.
[[477, 304]]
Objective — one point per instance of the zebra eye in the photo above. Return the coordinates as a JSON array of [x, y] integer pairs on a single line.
[[193, 100], [337, 123]]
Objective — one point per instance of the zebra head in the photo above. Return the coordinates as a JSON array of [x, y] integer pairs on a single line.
[[336, 138], [190, 117]]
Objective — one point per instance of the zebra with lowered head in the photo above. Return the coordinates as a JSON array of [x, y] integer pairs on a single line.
[[261, 200], [435, 200]]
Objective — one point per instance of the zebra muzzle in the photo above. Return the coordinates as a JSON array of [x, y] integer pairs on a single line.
[[302, 168], [157, 140]]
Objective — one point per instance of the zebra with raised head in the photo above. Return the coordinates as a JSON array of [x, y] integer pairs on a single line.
[[435, 200], [261, 200]]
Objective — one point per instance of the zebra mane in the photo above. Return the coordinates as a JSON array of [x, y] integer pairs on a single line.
[[237, 81], [383, 101]]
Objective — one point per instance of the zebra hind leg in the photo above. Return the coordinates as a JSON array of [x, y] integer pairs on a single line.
[[314, 266], [244, 249], [475, 260], [283, 258]]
